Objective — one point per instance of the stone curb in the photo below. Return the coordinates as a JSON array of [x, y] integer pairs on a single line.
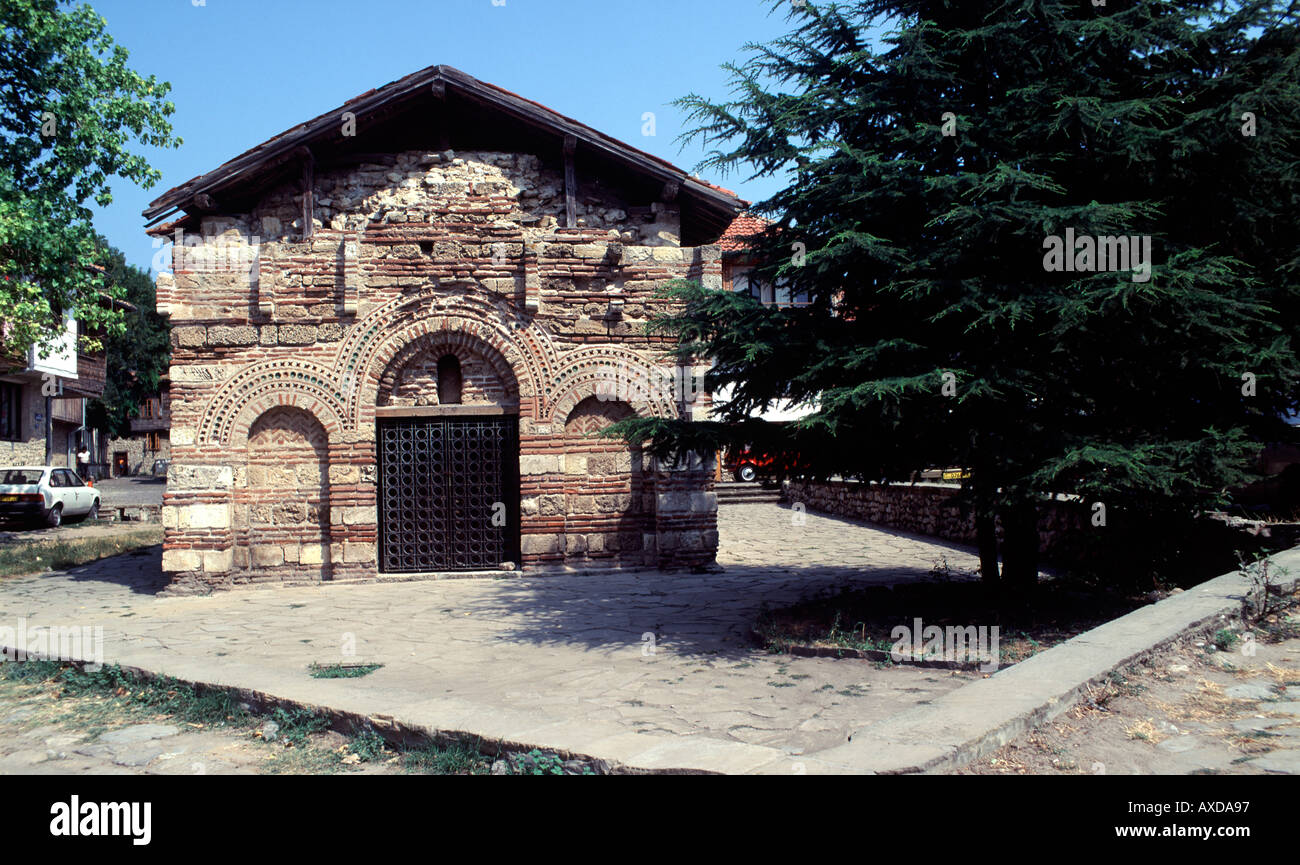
[[977, 719]]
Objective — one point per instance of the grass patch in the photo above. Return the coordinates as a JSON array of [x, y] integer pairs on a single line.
[[342, 671], [454, 759], [121, 696], [93, 703], [864, 619], [34, 557]]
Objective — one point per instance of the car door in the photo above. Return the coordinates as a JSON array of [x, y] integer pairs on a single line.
[[54, 482], [78, 493]]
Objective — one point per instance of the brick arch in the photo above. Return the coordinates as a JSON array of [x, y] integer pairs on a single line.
[[594, 414], [490, 341], [260, 387], [610, 373], [371, 343], [241, 426], [466, 348], [281, 515]]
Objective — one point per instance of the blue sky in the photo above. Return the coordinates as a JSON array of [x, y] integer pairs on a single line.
[[245, 70]]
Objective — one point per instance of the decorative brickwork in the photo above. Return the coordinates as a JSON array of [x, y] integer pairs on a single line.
[[285, 361]]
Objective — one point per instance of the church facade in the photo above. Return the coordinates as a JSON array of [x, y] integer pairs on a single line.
[[397, 329]]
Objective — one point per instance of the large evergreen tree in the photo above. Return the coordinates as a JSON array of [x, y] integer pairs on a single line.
[[931, 147]]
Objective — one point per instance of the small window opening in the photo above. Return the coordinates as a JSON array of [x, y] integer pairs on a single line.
[[449, 380]]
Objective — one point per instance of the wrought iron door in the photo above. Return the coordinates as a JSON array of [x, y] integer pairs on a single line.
[[448, 493]]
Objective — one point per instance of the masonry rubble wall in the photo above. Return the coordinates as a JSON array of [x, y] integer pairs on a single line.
[[934, 510]]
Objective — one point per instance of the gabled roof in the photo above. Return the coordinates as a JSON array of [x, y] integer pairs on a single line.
[[711, 206]]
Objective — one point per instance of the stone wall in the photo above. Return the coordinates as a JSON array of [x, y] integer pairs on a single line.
[[29, 448], [441, 253], [932, 509], [139, 458]]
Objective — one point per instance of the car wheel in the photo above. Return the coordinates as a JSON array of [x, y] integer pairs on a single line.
[[93, 513], [54, 517], [746, 474]]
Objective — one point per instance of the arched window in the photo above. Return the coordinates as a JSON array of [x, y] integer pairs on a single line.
[[449, 380]]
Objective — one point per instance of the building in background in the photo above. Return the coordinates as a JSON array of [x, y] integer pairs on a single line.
[[43, 402], [147, 450]]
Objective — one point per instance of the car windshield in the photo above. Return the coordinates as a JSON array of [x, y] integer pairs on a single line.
[[21, 476]]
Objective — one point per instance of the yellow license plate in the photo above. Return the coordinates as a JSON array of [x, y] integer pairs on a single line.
[[8, 498]]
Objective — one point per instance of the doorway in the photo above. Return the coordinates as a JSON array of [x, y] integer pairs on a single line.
[[448, 493]]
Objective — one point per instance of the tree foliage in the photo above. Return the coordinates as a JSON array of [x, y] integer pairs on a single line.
[[925, 253], [70, 111], [138, 356]]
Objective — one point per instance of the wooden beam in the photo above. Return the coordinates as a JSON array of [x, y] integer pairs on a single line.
[[439, 89], [446, 410], [671, 188], [308, 190], [342, 159], [203, 201], [570, 183]]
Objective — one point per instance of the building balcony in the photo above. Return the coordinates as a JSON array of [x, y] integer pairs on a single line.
[[149, 424]]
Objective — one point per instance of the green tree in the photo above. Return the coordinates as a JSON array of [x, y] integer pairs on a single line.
[[930, 148], [138, 356], [70, 110]]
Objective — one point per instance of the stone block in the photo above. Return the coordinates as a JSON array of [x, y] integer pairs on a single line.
[[203, 516], [358, 552], [226, 335], [541, 544], [190, 336], [267, 555], [218, 561], [582, 504], [539, 464], [182, 560], [344, 474], [297, 334], [360, 515]]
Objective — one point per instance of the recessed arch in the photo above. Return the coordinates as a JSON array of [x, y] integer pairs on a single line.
[[415, 374]]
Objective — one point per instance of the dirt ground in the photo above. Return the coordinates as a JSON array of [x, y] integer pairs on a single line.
[[44, 732], [1192, 708]]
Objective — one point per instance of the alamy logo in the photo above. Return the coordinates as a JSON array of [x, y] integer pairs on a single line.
[[1087, 254], [53, 643], [73, 818], [968, 644]]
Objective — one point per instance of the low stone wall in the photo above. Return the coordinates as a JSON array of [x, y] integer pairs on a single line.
[[931, 509]]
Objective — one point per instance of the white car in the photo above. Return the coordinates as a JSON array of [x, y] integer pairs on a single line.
[[46, 493]]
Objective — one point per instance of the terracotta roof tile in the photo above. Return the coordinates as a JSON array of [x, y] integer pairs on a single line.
[[737, 236]]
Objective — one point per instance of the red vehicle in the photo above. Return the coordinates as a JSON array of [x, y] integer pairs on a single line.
[[747, 465]]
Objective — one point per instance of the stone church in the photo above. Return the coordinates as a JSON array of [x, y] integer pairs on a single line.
[[396, 328]]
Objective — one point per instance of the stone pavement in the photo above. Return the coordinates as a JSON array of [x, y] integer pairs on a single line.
[[132, 490], [650, 670]]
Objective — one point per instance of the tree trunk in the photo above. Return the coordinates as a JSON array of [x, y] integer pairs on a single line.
[[1020, 548], [986, 536]]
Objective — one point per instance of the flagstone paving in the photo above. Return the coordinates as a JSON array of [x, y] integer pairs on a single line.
[[662, 654]]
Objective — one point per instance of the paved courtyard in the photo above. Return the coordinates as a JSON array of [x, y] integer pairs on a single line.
[[631, 662]]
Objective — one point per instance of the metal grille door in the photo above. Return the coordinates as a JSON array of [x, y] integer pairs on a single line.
[[448, 493]]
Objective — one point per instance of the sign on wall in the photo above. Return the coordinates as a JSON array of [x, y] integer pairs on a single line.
[[61, 358]]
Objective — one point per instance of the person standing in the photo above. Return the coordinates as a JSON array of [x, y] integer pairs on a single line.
[[83, 462]]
